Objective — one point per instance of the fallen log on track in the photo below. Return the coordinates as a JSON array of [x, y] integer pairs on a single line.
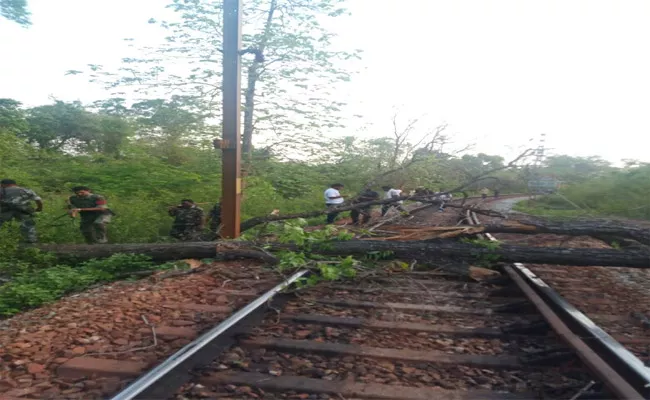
[[159, 252], [593, 228], [430, 251], [425, 251]]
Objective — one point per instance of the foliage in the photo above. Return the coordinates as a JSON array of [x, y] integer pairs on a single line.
[[288, 96], [551, 206], [70, 126], [33, 287], [486, 259], [611, 192], [323, 267], [16, 11], [146, 171], [12, 117], [575, 170], [379, 255]]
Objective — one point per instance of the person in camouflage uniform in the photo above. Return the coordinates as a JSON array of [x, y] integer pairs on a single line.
[[94, 214], [188, 222], [214, 218], [15, 203]]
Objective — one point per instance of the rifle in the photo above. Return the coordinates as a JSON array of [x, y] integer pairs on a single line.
[[56, 219], [209, 202]]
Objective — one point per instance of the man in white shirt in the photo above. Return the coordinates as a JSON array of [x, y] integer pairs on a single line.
[[333, 199], [443, 198], [390, 193]]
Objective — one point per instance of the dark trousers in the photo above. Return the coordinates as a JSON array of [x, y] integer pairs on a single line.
[[27, 224], [214, 225], [185, 233], [332, 216], [365, 212], [93, 231]]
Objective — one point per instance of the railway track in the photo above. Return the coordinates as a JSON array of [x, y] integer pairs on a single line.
[[624, 375], [409, 335], [394, 334]]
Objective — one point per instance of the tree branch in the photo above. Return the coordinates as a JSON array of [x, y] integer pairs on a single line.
[[493, 170]]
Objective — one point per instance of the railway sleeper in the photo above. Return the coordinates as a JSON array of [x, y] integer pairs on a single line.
[[553, 356], [539, 327], [341, 349], [498, 281], [434, 329], [415, 307], [523, 306], [508, 291], [346, 389], [429, 292]]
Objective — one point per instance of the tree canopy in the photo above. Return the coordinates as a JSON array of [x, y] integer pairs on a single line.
[[289, 84], [16, 11], [143, 157]]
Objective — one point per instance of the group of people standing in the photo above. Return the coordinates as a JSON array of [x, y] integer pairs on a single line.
[[334, 199], [16, 204], [190, 220], [94, 214]]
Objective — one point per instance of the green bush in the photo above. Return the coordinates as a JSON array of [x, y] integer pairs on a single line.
[[31, 286], [623, 193]]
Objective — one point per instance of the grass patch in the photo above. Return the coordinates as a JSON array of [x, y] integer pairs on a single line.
[[31, 286], [551, 207]]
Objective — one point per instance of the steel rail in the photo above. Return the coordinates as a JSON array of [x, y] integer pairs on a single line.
[[622, 372], [157, 383]]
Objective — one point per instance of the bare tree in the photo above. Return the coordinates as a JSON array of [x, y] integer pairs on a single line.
[[406, 152]]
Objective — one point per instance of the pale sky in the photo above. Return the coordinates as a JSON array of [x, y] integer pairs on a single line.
[[498, 71]]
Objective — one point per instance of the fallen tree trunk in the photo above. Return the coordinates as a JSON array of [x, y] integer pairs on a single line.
[[159, 252], [593, 227], [575, 228], [427, 251], [432, 250]]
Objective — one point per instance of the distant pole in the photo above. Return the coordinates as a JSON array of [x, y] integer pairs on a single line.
[[231, 146], [539, 159]]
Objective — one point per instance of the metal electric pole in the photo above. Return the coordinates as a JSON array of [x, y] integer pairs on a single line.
[[231, 143], [539, 153]]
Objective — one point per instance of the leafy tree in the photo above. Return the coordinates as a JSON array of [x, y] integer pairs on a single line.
[[68, 126], [113, 131], [52, 127], [576, 169], [16, 11], [170, 120], [288, 93], [474, 165], [14, 154], [12, 117], [113, 106]]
